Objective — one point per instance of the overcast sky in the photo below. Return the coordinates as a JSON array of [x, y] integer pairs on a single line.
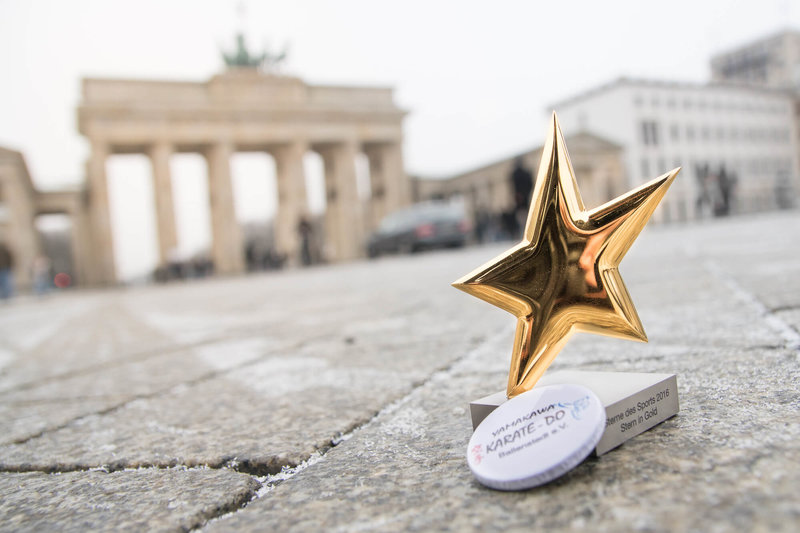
[[477, 77]]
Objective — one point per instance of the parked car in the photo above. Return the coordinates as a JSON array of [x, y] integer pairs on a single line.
[[422, 226]]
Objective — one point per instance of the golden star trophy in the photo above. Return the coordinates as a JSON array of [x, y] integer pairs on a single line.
[[562, 278]]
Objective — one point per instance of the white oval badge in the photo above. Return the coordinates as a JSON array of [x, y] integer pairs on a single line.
[[536, 437]]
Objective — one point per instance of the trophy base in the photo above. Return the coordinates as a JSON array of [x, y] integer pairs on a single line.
[[634, 402]]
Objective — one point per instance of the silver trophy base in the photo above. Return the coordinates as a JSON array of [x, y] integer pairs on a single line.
[[634, 402]]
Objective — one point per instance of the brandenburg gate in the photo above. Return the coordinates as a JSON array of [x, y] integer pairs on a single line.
[[244, 110]]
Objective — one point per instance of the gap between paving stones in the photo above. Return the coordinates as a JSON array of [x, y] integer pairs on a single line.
[[232, 463], [133, 357], [270, 481], [790, 336], [204, 377], [144, 355], [236, 503]]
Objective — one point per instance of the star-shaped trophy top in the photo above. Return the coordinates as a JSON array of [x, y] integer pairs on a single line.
[[563, 276]]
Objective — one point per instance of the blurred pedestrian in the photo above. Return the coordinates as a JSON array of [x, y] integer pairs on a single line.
[[40, 272], [6, 272], [522, 187], [305, 230]]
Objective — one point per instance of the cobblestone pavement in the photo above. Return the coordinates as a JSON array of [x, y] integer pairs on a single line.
[[336, 398]]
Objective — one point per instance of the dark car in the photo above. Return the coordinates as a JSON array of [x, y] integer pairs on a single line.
[[421, 227]]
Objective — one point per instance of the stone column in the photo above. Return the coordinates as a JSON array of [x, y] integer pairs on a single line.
[[227, 246], [376, 208], [80, 245], [18, 231], [390, 186], [343, 228], [398, 190], [292, 199], [103, 270], [165, 210]]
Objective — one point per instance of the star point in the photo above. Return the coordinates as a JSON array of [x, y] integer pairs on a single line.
[[563, 276]]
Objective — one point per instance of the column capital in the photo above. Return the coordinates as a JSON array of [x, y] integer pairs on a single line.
[[161, 145], [299, 146], [99, 147], [221, 145]]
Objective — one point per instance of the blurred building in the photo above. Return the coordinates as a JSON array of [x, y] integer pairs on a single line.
[[489, 190], [737, 144], [21, 203], [250, 107], [770, 62], [246, 110]]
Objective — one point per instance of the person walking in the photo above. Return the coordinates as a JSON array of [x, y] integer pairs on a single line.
[[6, 272]]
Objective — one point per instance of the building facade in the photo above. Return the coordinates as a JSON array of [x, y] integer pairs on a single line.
[[246, 110], [241, 110], [737, 144], [770, 62], [21, 203], [488, 191]]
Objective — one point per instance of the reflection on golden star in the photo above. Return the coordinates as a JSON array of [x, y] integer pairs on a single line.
[[563, 276]]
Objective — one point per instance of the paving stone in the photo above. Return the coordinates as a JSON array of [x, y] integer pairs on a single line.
[[264, 415], [28, 412], [358, 351], [729, 461], [134, 500], [792, 318], [260, 372], [760, 253], [57, 336]]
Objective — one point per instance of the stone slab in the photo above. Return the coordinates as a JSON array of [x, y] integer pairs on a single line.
[[729, 461], [340, 343], [134, 500], [26, 412], [366, 344]]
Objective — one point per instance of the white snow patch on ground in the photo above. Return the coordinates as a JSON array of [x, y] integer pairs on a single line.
[[6, 356], [188, 328], [233, 353], [410, 421], [31, 324], [277, 376], [376, 326]]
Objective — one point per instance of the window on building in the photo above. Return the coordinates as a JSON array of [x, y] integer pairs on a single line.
[[704, 133], [637, 100], [650, 132], [671, 103], [675, 133], [689, 133], [720, 134], [645, 169]]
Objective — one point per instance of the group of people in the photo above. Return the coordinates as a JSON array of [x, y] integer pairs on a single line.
[[41, 269], [508, 224]]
